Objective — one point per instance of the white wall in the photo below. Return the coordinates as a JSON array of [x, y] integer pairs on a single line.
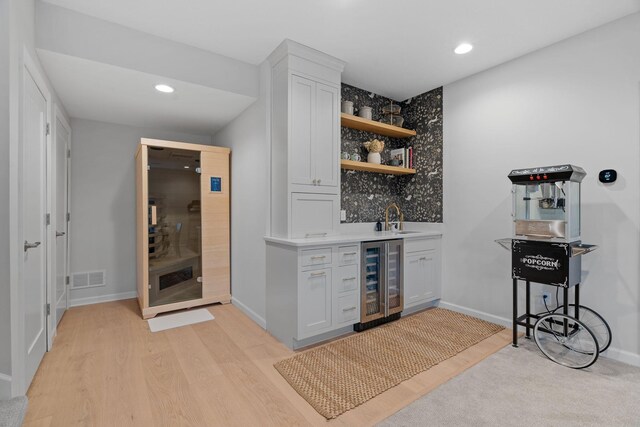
[[5, 306], [247, 136], [103, 195], [574, 102]]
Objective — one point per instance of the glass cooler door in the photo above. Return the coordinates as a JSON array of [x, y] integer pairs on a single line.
[[373, 274]]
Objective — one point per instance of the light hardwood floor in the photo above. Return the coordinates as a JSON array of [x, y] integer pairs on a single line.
[[107, 369]]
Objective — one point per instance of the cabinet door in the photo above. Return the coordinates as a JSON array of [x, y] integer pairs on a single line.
[[421, 280], [302, 128], [314, 214], [314, 302], [325, 149]]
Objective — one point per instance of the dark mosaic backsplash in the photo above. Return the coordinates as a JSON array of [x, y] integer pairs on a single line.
[[365, 195]]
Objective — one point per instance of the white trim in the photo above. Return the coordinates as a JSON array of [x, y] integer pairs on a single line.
[[5, 386], [611, 353], [252, 314], [507, 323], [77, 302], [622, 356]]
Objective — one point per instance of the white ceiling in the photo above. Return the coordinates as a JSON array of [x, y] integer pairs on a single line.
[[394, 48], [97, 91]]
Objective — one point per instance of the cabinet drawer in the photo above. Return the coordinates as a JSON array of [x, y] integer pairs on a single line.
[[347, 278], [418, 245], [311, 257], [347, 309], [348, 255]]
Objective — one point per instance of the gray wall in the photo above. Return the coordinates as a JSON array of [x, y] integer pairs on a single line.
[[248, 139], [578, 102], [103, 194], [5, 314]]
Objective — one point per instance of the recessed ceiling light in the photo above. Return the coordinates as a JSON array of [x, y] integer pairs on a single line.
[[463, 48], [164, 88]]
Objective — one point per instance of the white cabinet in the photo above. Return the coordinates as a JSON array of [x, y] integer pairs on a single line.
[[314, 214], [314, 302], [422, 271], [312, 291], [314, 132], [326, 143], [305, 138]]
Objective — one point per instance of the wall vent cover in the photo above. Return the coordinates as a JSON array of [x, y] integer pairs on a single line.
[[88, 279]]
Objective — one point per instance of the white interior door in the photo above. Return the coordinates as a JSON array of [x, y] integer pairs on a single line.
[[34, 224], [60, 200]]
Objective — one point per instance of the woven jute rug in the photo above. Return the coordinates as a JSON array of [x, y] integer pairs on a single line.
[[344, 374]]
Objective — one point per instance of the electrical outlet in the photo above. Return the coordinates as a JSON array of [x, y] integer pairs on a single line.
[[545, 297], [343, 215]]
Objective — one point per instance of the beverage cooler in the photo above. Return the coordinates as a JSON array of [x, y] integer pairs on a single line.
[[382, 293]]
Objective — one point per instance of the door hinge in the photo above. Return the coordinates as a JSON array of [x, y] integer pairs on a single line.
[[67, 280], [148, 167], [149, 285], [48, 219], [48, 130], [48, 308], [68, 216]]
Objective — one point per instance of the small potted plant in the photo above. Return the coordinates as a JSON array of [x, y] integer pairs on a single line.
[[374, 147]]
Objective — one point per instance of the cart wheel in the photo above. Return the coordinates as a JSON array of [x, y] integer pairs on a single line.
[[576, 348], [595, 323]]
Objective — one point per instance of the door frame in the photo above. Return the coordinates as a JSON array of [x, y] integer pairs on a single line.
[[28, 67], [51, 202]]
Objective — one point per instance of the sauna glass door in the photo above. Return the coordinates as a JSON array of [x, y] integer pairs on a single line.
[[174, 223], [373, 286]]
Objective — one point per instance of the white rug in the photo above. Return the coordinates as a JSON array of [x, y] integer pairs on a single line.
[[184, 318], [521, 387]]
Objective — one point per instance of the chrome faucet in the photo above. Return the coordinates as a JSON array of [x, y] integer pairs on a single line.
[[400, 215]]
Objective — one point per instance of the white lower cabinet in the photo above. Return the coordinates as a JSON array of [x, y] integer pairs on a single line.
[[312, 291], [314, 302], [422, 272]]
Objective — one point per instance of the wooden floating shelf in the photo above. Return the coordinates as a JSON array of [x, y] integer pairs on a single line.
[[355, 122], [372, 167]]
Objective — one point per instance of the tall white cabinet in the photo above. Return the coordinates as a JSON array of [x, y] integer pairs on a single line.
[[305, 141]]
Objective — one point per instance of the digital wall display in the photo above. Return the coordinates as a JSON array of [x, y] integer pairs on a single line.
[[216, 184]]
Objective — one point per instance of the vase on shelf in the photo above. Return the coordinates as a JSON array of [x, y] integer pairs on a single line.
[[374, 158]]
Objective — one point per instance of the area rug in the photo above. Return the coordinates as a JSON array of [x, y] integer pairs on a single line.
[[344, 374]]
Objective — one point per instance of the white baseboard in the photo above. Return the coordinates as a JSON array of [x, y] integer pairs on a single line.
[[252, 314], [507, 323], [622, 356], [611, 353], [5, 387], [76, 302]]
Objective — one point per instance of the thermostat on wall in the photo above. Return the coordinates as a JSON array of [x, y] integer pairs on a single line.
[[216, 184], [608, 176]]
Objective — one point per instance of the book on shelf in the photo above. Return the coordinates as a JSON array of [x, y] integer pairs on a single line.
[[399, 155]]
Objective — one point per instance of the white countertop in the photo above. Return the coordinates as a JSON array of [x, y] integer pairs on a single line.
[[353, 237]]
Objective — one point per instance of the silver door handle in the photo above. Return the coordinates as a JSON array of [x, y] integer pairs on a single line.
[[424, 258], [318, 181], [322, 273], [350, 253], [315, 181], [28, 245], [60, 233], [319, 257], [348, 278], [349, 308]]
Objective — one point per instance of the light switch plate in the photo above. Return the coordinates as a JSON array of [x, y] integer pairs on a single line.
[[343, 215]]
